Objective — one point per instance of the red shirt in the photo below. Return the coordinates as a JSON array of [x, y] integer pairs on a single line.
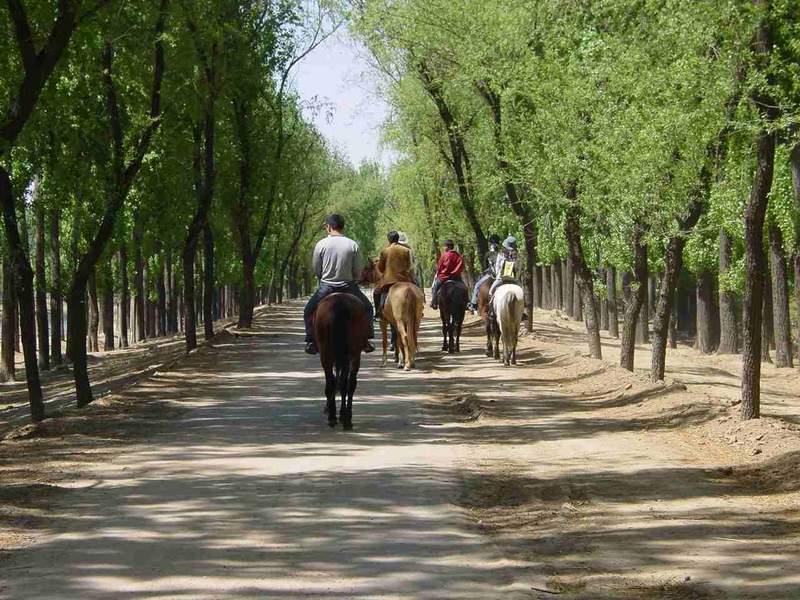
[[449, 266]]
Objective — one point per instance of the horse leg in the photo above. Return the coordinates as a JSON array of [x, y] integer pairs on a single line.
[[445, 328], [451, 344], [398, 345], [496, 337], [403, 337], [330, 394], [488, 330], [343, 382], [385, 341], [352, 382], [459, 325]]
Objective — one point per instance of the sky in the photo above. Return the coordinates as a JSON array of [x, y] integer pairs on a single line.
[[337, 75]]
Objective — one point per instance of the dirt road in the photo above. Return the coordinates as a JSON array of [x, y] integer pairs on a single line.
[[564, 477], [251, 495]]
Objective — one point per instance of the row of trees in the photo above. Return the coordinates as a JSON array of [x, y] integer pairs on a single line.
[[156, 170], [652, 142]]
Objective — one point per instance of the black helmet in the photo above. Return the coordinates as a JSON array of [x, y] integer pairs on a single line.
[[494, 239]]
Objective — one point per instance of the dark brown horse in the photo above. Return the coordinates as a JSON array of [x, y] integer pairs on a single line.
[[453, 298], [340, 326], [489, 321]]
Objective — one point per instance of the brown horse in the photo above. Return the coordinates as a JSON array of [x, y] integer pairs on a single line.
[[402, 311], [489, 321], [340, 326], [453, 298]]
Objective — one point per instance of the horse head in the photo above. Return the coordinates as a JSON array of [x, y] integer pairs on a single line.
[[370, 273]]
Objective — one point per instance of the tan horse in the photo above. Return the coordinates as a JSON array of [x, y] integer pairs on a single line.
[[402, 310]]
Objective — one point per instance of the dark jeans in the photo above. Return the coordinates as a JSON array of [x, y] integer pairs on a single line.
[[326, 290]]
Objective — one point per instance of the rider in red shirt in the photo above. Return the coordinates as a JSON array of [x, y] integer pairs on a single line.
[[449, 267]]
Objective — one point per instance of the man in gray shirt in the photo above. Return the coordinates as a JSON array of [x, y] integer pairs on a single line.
[[337, 262]]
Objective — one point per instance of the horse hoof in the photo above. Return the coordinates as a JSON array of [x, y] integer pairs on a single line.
[[450, 351], [347, 426], [488, 354], [332, 422], [406, 368]]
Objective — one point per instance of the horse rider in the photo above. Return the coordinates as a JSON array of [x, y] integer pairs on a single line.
[[506, 267], [395, 265], [449, 268], [489, 262], [403, 241], [337, 262]]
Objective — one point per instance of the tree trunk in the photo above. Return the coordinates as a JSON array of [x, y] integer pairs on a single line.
[[755, 211], [94, 314], [729, 332], [558, 284], [643, 327], [107, 280], [23, 282], [569, 287], [577, 299], [796, 262], [665, 319], [9, 326], [780, 299], [673, 321], [56, 299], [582, 273], [41, 289], [636, 300], [248, 293], [208, 282], [652, 295], [767, 326], [161, 292], [125, 295], [706, 313], [138, 283], [172, 296], [547, 295], [601, 276], [794, 164], [77, 327], [613, 315], [458, 159]]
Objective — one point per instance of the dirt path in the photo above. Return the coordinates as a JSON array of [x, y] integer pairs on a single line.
[[564, 477], [251, 495]]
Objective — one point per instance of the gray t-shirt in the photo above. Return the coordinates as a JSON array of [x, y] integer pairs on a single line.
[[337, 261]]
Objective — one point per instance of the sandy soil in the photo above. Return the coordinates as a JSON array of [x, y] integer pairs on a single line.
[[109, 373], [608, 486], [563, 477]]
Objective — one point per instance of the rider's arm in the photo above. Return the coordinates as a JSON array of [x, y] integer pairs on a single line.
[[382, 261], [316, 261], [358, 263]]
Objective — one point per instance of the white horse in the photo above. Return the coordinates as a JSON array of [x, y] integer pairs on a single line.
[[509, 304]]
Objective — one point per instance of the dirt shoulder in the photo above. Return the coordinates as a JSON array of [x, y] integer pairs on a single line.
[[608, 486]]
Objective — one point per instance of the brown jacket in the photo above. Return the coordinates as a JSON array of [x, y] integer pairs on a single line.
[[395, 264]]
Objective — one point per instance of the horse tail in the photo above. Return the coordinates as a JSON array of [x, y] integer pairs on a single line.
[[341, 342], [410, 319]]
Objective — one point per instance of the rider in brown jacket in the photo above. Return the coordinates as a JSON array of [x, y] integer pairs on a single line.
[[396, 266]]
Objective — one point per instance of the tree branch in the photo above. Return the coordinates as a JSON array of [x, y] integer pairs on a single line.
[[22, 31]]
